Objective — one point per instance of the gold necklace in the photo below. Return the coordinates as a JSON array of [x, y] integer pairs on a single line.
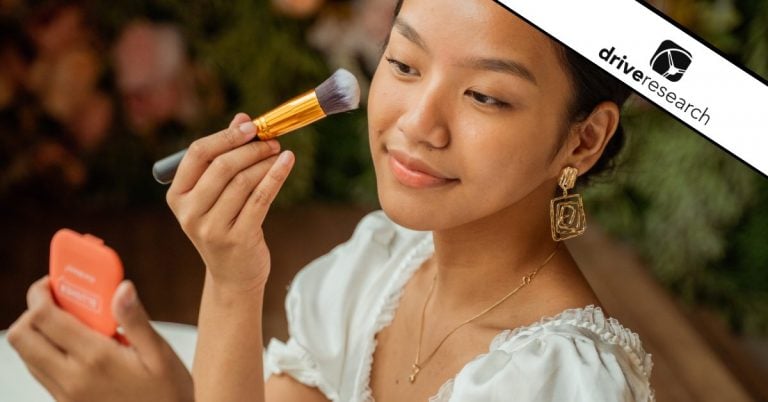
[[416, 367]]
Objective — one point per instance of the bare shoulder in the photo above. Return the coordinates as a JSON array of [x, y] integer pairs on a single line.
[[284, 388]]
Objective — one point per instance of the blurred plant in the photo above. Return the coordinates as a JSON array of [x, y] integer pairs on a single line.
[[298, 8], [351, 35], [53, 110], [155, 78]]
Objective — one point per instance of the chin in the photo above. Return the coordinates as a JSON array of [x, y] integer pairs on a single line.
[[409, 219], [406, 207], [417, 211], [441, 210]]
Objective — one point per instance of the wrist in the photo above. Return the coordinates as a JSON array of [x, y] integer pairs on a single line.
[[235, 291]]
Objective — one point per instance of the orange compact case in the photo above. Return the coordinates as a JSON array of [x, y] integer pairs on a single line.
[[84, 274]]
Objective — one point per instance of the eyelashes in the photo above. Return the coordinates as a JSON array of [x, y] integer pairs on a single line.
[[401, 67], [479, 98], [486, 100]]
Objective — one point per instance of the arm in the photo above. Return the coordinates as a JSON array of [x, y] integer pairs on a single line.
[[221, 194], [220, 197], [228, 358]]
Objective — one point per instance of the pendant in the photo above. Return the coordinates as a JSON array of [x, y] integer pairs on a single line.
[[416, 370]]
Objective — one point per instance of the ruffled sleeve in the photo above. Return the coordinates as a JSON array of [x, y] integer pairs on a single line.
[[295, 357], [294, 360], [328, 305], [558, 361]]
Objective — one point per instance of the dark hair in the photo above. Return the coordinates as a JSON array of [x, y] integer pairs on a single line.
[[591, 86]]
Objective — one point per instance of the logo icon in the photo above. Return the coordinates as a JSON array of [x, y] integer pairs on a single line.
[[671, 61]]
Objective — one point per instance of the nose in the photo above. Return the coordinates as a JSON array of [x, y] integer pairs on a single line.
[[424, 121]]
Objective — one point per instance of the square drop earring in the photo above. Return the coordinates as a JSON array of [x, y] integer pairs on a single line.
[[567, 211]]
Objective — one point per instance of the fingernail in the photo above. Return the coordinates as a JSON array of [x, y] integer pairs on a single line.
[[273, 145], [248, 128], [284, 158], [129, 298]]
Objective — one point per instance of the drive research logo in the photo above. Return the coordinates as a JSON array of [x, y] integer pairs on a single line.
[[671, 60], [649, 86]]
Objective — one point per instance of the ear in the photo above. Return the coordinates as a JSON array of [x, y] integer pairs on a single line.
[[587, 139]]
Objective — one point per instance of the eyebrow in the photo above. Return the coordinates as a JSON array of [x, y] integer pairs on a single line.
[[501, 66], [479, 63], [409, 33]]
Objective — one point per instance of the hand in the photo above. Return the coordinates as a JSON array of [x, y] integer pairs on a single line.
[[75, 363], [220, 196]]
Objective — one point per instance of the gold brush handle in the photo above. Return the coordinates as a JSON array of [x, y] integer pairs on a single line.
[[294, 114]]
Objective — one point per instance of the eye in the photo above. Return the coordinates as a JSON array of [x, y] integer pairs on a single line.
[[486, 100], [401, 68]]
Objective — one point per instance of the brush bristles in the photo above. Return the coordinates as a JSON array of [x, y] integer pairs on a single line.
[[339, 93]]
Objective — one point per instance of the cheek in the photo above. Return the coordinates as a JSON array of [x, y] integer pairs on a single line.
[[497, 166], [508, 156], [382, 111]]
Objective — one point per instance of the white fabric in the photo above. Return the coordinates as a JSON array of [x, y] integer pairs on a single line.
[[337, 304]]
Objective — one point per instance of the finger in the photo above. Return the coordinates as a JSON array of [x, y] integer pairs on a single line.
[[226, 167], [239, 119], [233, 198], [47, 382], [256, 208], [35, 349], [61, 328], [38, 292], [131, 315], [206, 149]]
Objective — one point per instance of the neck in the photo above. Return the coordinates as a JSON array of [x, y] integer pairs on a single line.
[[481, 261]]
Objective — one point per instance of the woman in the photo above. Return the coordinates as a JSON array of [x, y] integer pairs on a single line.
[[474, 118]]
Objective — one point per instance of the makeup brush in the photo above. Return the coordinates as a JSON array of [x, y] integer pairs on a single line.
[[339, 93]]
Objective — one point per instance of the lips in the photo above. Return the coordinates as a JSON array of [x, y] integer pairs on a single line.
[[413, 172]]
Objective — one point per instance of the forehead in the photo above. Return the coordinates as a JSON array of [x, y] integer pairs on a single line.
[[479, 28]]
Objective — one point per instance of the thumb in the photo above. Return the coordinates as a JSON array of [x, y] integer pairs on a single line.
[[130, 314]]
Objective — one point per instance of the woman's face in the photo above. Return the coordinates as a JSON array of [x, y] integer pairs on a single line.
[[474, 97]]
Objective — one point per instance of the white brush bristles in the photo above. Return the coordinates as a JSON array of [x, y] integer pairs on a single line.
[[339, 93]]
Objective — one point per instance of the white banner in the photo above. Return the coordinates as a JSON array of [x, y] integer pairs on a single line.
[[665, 65]]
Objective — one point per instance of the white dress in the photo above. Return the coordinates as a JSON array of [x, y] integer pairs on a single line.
[[339, 302]]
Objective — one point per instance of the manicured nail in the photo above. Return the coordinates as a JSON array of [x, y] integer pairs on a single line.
[[284, 158], [248, 128], [129, 298]]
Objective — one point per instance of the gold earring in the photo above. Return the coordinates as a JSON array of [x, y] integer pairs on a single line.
[[567, 211]]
